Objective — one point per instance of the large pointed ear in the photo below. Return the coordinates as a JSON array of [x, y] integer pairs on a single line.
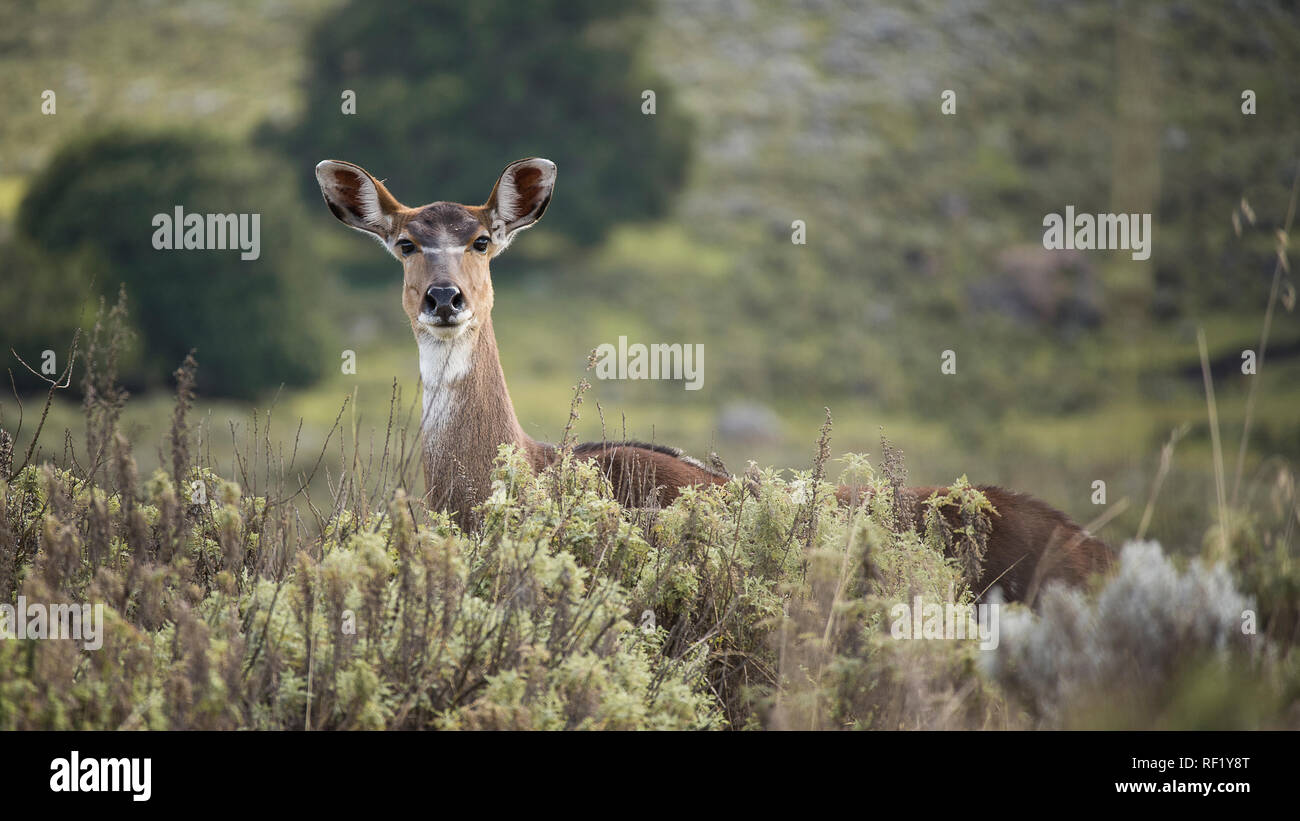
[[520, 197], [356, 198]]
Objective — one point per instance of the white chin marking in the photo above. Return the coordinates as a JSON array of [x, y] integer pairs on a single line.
[[447, 333]]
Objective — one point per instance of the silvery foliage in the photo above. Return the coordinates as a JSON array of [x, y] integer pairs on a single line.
[[1134, 632]]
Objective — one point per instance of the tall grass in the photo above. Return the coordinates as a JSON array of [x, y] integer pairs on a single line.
[[235, 598]]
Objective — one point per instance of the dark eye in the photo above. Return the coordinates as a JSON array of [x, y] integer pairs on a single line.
[[481, 244], [406, 247]]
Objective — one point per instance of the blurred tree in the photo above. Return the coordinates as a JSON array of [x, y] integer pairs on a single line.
[[256, 323], [448, 93]]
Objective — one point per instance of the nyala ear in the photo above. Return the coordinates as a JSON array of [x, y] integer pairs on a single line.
[[356, 198], [520, 197]]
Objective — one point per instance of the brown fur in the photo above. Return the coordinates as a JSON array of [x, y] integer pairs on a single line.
[[1031, 543], [647, 475]]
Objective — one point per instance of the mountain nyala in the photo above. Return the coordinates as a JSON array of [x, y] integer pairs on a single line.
[[446, 249]]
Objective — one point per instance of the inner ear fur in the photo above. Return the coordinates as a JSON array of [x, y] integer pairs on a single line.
[[358, 199]]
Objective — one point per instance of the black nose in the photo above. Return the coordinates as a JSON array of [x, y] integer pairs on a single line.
[[444, 301]]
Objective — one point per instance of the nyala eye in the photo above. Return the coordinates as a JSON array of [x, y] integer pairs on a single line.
[[481, 244], [406, 247]]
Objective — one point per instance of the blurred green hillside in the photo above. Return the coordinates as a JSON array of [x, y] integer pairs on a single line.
[[923, 231]]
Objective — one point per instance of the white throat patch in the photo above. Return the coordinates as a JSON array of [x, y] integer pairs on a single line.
[[443, 364]]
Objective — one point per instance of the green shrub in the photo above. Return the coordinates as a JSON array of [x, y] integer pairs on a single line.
[[762, 603], [256, 323], [563, 610]]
